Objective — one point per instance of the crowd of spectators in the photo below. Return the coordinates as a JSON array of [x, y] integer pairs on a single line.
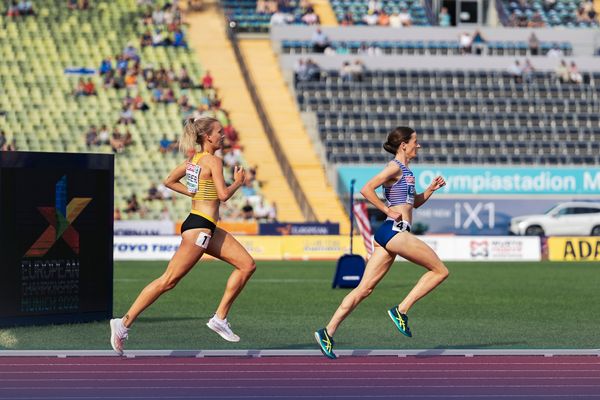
[[284, 12], [5, 144], [20, 9], [306, 70], [525, 16], [163, 26], [564, 72]]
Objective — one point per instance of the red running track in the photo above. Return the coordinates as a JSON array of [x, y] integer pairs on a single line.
[[436, 377]]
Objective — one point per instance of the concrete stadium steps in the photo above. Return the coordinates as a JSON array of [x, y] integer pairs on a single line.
[[289, 130], [208, 38], [325, 12]]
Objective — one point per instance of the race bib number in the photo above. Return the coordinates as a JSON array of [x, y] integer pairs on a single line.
[[192, 172], [401, 226], [203, 240]]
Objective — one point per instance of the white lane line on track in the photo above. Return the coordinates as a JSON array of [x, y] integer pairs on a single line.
[[371, 396], [287, 379], [401, 362], [303, 387], [290, 371]]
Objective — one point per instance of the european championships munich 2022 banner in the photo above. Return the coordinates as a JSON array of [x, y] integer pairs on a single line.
[[56, 237]]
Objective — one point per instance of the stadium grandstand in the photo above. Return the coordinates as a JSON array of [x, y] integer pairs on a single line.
[[504, 96]]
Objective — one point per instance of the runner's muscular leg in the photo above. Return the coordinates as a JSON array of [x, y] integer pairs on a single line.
[[225, 247]]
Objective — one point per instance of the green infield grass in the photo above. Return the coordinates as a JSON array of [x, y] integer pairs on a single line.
[[482, 305]]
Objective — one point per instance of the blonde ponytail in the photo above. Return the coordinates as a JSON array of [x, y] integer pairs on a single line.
[[194, 132]]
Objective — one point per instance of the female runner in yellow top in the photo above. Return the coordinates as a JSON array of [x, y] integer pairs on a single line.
[[206, 186]]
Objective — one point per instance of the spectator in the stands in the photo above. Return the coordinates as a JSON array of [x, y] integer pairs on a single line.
[[25, 8], [478, 43], [266, 6], [117, 214], [248, 189], [247, 211], [164, 146], [281, 18], [130, 53], [2, 139], [127, 139], [11, 146], [574, 74], [13, 10], [346, 72], [370, 18], [444, 18], [126, 116], [105, 66], [207, 81], [179, 39], [319, 41], [516, 71], [89, 88], [159, 38], [231, 135], [528, 71], [358, 70], [116, 141], [313, 70], [80, 88], [146, 39], [132, 204], [118, 81], [555, 51], [310, 17], [464, 43], [534, 44], [91, 137], [231, 156], [562, 72], [405, 18], [264, 212], [384, 19], [139, 103], [395, 21], [536, 21], [153, 193], [185, 81], [374, 5], [103, 136], [348, 19]]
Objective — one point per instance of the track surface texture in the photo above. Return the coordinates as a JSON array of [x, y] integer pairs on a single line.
[[308, 377]]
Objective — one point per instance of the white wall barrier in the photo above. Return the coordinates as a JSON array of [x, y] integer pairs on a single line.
[[449, 248], [485, 248]]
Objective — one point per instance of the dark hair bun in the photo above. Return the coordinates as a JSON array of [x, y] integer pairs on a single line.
[[387, 146]]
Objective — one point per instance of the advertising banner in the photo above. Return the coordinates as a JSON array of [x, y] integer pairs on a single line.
[[485, 248], [450, 248], [472, 216], [574, 248], [55, 242], [144, 228], [467, 180], [260, 247], [308, 228]]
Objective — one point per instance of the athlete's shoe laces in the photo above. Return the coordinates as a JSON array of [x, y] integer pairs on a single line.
[[223, 328], [325, 343], [400, 320], [118, 334]]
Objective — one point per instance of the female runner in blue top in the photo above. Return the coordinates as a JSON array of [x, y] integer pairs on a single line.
[[393, 237]]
